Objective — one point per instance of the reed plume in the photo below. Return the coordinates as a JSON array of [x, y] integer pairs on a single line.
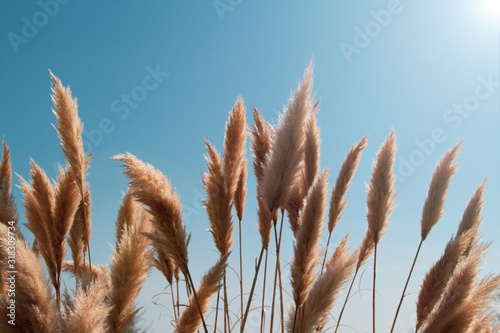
[[234, 146], [221, 182], [381, 191], [471, 218], [129, 269], [261, 143], [465, 240], [81, 227], [473, 315], [380, 198], [337, 201], [88, 311], [70, 128], [218, 203], [239, 205], [349, 167], [209, 285], [129, 213], [325, 290], [433, 207], [150, 187], [436, 278], [50, 214], [65, 207], [312, 152], [436, 196], [34, 306], [8, 210], [458, 290], [306, 258], [309, 170], [282, 166], [241, 191], [285, 156]]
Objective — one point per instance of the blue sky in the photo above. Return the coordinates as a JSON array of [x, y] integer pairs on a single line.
[[155, 78]]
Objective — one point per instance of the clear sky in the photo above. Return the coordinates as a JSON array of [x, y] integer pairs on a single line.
[[156, 77]]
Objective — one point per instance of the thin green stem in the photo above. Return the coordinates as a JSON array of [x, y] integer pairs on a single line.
[[406, 285]]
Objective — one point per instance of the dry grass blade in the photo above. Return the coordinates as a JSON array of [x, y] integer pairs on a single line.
[[35, 307], [343, 182], [218, 203], [286, 154], [305, 259], [129, 270], [150, 187], [381, 191], [436, 196], [8, 210], [326, 289], [234, 146], [459, 289], [209, 285]]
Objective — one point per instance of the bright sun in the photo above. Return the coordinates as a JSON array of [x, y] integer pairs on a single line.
[[492, 8]]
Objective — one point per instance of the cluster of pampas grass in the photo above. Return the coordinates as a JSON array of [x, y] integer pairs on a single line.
[[150, 233]]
